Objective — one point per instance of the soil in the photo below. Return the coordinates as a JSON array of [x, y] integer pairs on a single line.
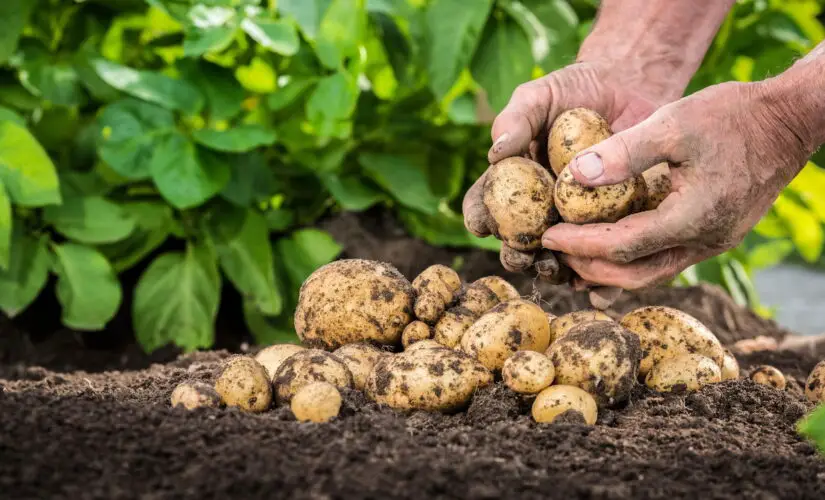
[[67, 433]]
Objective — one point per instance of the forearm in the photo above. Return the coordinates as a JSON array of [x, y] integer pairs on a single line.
[[661, 42]]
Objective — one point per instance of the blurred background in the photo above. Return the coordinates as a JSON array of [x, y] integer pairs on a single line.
[[160, 156]]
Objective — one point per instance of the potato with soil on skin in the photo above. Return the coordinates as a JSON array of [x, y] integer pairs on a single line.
[[560, 325], [502, 289], [307, 366], [271, 357], [658, 183], [435, 288], [193, 395], [600, 357], [414, 332], [452, 326], [557, 400], [687, 372], [515, 325], [360, 358], [730, 367], [353, 300], [667, 332], [478, 298], [244, 383], [518, 194], [572, 132], [528, 372], [429, 379], [580, 204], [815, 384], [424, 344], [317, 402], [770, 376]]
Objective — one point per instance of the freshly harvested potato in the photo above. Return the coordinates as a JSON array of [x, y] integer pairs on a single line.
[[770, 376], [425, 344], [317, 402], [193, 395], [580, 204], [518, 194], [435, 288], [415, 331], [478, 298], [686, 372], [528, 372], [360, 358], [730, 367], [307, 366], [243, 382], [557, 400], [515, 325], [353, 300], [271, 357], [561, 325], [572, 132], [503, 290], [657, 180], [600, 357], [451, 327], [815, 385], [666, 332], [429, 379]]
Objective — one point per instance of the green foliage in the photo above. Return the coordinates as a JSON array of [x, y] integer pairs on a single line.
[[813, 427]]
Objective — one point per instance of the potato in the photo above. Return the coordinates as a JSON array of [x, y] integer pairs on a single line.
[[435, 289], [353, 300], [503, 290], [528, 372], [451, 327], [600, 357], [316, 402], [424, 344], [561, 325], [658, 183], [686, 372], [515, 325], [770, 376], [730, 367], [557, 400], [666, 332], [580, 204], [271, 357], [572, 132], [243, 382], [815, 385], [360, 358], [429, 379], [518, 194], [307, 366], [415, 331], [193, 395], [478, 298]]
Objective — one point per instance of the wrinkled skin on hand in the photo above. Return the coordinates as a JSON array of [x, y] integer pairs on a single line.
[[730, 154]]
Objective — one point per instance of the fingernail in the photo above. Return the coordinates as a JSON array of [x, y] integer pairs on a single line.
[[590, 165], [547, 242], [499, 144]]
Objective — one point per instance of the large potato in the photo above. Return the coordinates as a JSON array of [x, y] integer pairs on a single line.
[[516, 325], [580, 204], [686, 372], [557, 400], [572, 132], [658, 183], [435, 289], [815, 385], [518, 194], [244, 383], [271, 357], [600, 357], [527, 372], [451, 327], [559, 326], [353, 300], [307, 366], [430, 379], [359, 358], [666, 332]]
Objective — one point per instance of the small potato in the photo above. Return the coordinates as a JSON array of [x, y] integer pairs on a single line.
[[193, 395], [770, 376], [307, 366], [515, 325], [478, 298], [415, 331], [435, 289], [730, 367], [815, 385], [243, 382], [424, 344], [600, 357], [451, 327], [317, 402], [580, 204], [360, 358], [666, 332], [561, 325], [572, 132], [504, 291], [271, 357], [528, 372], [557, 400], [687, 372], [659, 185]]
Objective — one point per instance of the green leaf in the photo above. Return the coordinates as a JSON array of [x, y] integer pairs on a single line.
[[502, 62], [130, 133], [445, 229], [269, 330], [342, 30], [90, 219], [27, 272], [447, 172], [14, 15], [6, 225], [288, 94], [806, 231], [305, 251], [251, 180], [333, 101], [87, 287], [551, 26], [812, 427], [150, 86], [212, 29], [26, 171], [351, 192], [153, 224], [176, 300], [771, 226], [8, 115], [57, 83], [453, 30], [186, 176], [769, 254], [238, 139], [278, 36], [224, 95], [809, 185], [404, 176], [307, 13]]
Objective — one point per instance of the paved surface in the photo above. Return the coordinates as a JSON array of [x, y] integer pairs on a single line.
[[798, 295]]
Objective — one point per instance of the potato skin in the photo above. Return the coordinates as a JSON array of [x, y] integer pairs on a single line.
[[317, 402], [815, 384], [686, 372], [353, 300], [435, 289], [307, 366], [580, 204], [502, 289], [518, 194], [730, 366], [272, 356], [451, 327], [528, 372], [770, 376], [193, 395], [515, 325], [556, 400], [599, 357], [415, 331], [560, 325], [574, 131], [423, 344], [360, 358], [244, 383], [658, 183], [429, 379]]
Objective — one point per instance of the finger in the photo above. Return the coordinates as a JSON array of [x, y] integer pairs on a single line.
[[603, 297], [521, 120], [514, 260], [642, 273], [476, 215]]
